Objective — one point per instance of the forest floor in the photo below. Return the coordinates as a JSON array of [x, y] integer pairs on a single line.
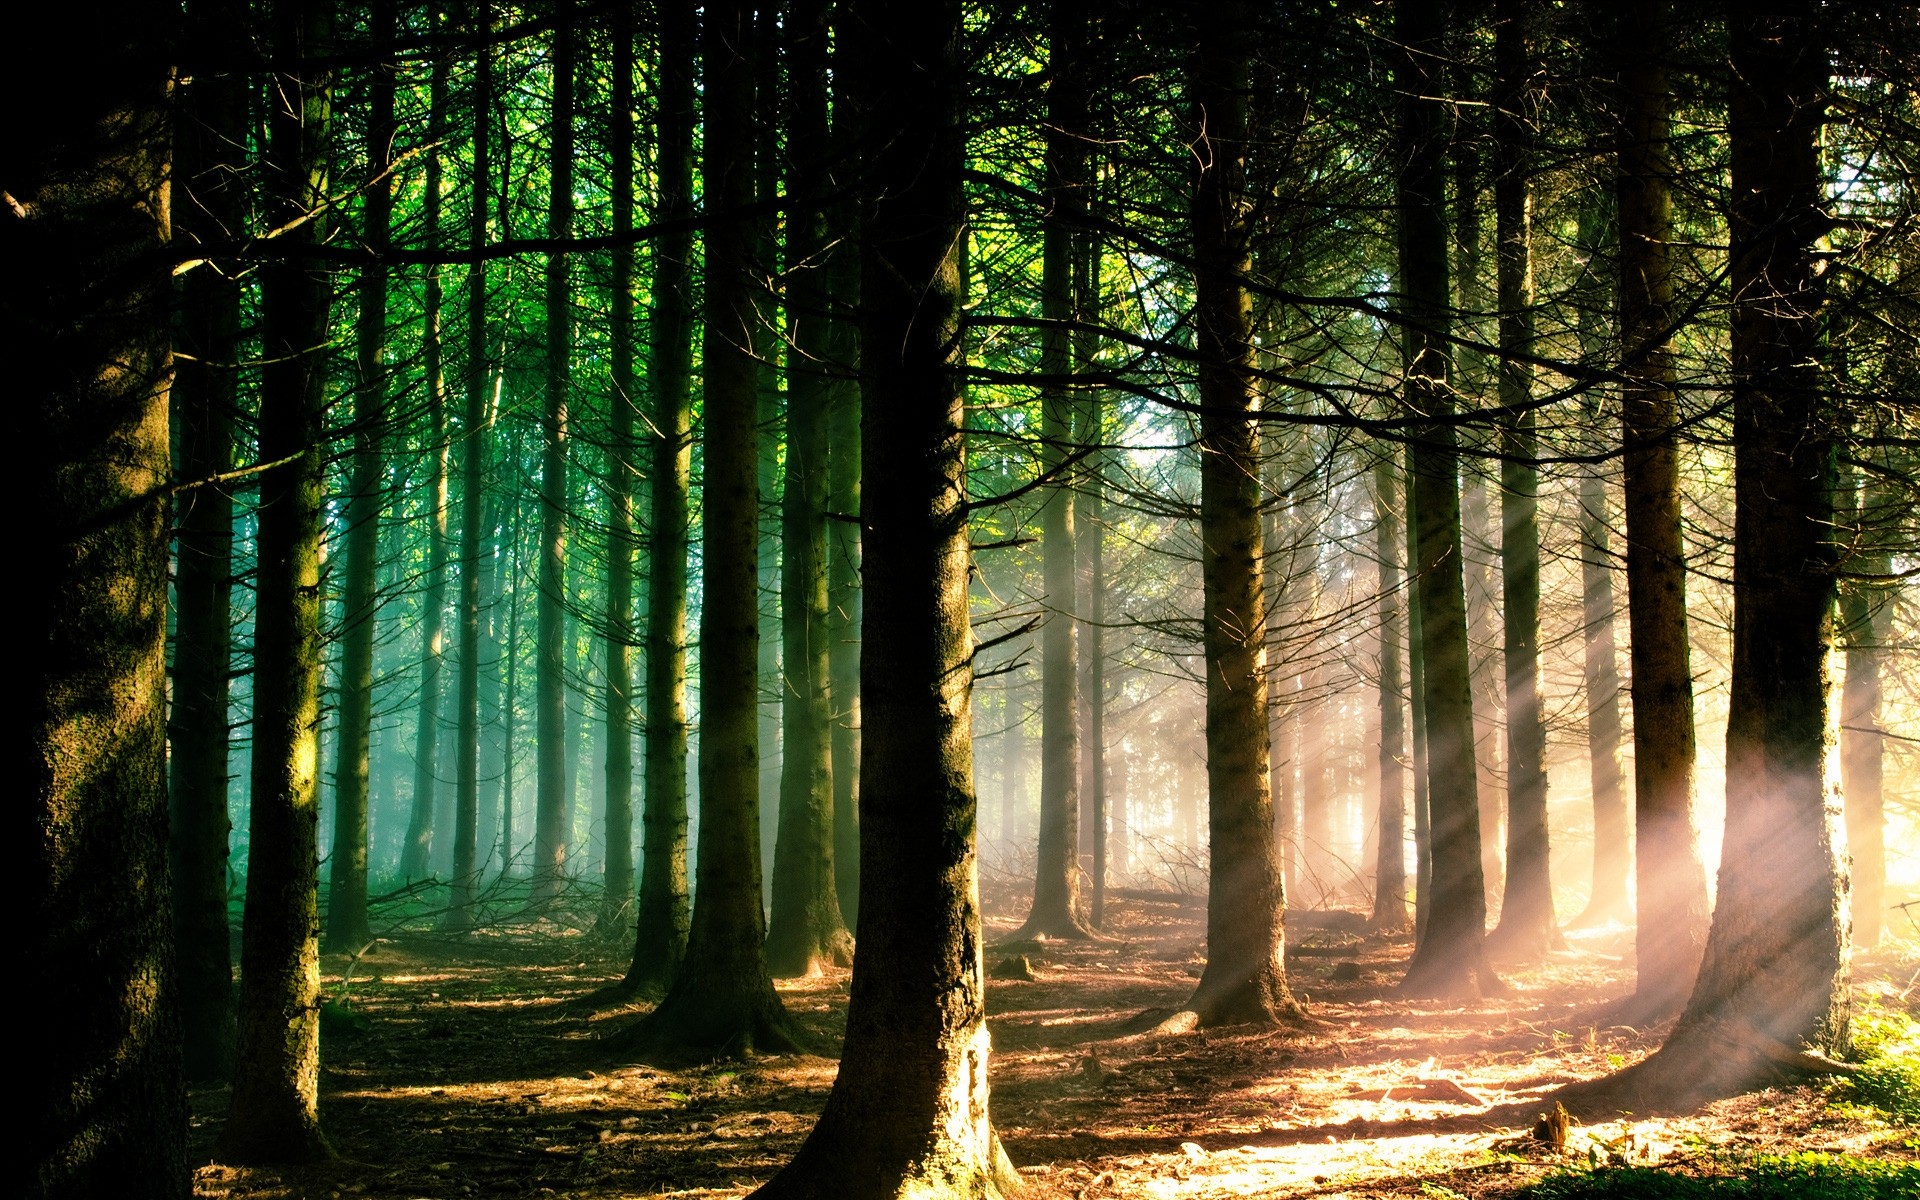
[[476, 1067]]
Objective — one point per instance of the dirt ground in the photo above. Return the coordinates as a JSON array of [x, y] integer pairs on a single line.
[[476, 1067]]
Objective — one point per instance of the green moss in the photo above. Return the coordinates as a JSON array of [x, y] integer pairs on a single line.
[[1763, 1177]]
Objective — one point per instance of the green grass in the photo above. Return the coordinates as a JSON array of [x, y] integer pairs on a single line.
[[1886, 1044], [1763, 1177]]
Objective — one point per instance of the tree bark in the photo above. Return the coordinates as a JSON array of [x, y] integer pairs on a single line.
[[663, 917], [210, 201], [722, 1000], [1527, 929], [1056, 879], [1774, 974], [347, 928], [1390, 867], [552, 799], [1607, 899], [85, 243], [908, 1112], [1670, 883], [1866, 609], [1245, 976], [806, 930], [474, 425], [1450, 958], [275, 1111], [616, 904]]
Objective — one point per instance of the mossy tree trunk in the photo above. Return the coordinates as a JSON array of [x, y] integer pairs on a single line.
[[275, 1111], [85, 245]]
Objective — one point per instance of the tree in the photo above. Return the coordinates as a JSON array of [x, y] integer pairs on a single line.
[[908, 1112], [722, 1000], [1526, 928], [1773, 977], [209, 202], [1390, 870], [617, 902], [1056, 881], [552, 808], [1450, 958], [473, 457], [84, 237], [1245, 977], [1670, 885], [806, 927], [663, 917], [347, 928], [275, 1113]]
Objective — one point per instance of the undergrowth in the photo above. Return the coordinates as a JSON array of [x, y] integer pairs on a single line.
[[1762, 1177], [1886, 1045]]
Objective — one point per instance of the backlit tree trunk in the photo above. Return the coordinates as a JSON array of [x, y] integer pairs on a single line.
[[1390, 868], [662, 912], [208, 201], [1245, 976], [1451, 956], [908, 1112], [1670, 883]]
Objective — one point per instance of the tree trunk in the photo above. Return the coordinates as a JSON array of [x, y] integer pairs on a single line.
[[806, 929], [552, 801], [1245, 977], [210, 202], [1527, 929], [347, 928], [1607, 900], [616, 904], [722, 1001], [843, 535], [1417, 712], [473, 456], [1670, 883], [1451, 956], [1866, 610], [275, 1114], [1056, 878], [1774, 974], [86, 251], [908, 1111], [1390, 866], [661, 938]]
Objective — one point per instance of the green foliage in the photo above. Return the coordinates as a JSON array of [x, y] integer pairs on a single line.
[[1886, 1044], [1763, 1177]]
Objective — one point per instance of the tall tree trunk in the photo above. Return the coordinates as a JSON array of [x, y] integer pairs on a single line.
[[662, 915], [1245, 977], [616, 905], [722, 1000], [552, 820], [511, 699], [908, 1111], [1607, 899], [1866, 610], [1774, 973], [1670, 884], [1417, 712], [1527, 929], [1056, 872], [275, 1114], [473, 503], [210, 202], [347, 928], [1451, 956], [843, 501], [1390, 865], [806, 928], [85, 245]]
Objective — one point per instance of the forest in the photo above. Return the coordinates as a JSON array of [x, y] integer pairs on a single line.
[[878, 599]]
